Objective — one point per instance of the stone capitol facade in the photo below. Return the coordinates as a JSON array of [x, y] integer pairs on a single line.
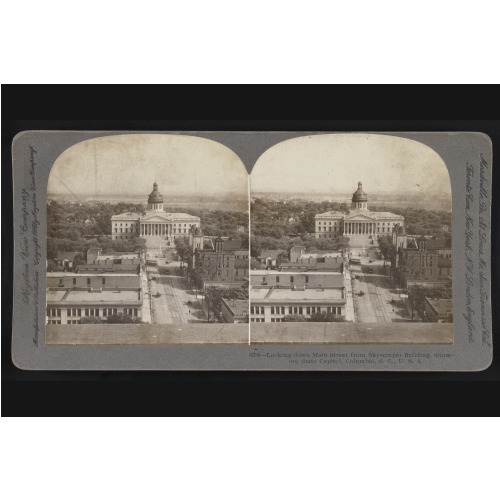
[[156, 226], [359, 224]]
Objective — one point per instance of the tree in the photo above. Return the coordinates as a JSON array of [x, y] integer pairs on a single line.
[[215, 294], [122, 318], [183, 249], [294, 318], [281, 258], [91, 320], [387, 249], [325, 317]]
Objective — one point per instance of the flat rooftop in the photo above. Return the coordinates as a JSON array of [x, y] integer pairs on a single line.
[[263, 272], [316, 255], [238, 307], [114, 257], [90, 275], [70, 297], [309, 295]]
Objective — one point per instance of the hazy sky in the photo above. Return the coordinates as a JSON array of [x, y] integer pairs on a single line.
[[336, 162], [130, 164]]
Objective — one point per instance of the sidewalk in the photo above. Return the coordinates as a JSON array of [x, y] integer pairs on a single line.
[[349, 302], [146, 298]]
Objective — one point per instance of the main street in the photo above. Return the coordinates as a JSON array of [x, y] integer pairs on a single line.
[[176, 302], [380, 302]]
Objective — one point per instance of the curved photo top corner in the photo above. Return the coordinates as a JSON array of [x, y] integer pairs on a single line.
[[351, 242], [146, 230]]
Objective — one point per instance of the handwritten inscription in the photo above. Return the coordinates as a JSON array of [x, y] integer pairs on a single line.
[[30, 249], [483, 239], [469, 252], [476, 231]]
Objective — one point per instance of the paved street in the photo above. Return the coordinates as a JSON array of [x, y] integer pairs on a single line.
[[177, 303], [380, 302]]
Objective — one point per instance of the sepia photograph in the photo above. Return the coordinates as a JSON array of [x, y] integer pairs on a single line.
[[359, 230], [147, 229], [252, 250]]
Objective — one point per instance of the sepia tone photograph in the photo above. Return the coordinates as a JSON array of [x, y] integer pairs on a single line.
[[358, 230], [147, 229]]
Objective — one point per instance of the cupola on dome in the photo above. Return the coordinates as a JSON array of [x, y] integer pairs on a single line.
[[359, 194], [155, 196]]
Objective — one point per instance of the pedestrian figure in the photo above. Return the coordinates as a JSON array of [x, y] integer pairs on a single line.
[[190, 311]]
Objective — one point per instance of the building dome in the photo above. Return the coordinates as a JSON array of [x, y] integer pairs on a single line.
[[359, 195], [155, 196]]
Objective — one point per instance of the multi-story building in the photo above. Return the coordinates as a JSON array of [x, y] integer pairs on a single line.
[[428, 262], [301, 260], [297, 279], [156, 226], [272, 304], [98, 263], [227, 262], [73, 296], [359, 224]]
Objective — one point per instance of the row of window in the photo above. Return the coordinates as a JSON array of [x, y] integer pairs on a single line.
[[61, 283], [292, 280], [132, 224], [77, 312], [378, 223], [296, 309]]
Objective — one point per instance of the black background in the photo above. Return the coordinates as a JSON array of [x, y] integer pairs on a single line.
[[243, 108]]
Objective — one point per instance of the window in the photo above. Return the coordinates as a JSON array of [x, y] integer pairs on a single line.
[[88, 281], [307, 279], [74, 281], [272, 310], [277, 279], [291, 279], [104, 281]]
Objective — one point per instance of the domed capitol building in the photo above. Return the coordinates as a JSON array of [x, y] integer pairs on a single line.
[[359, 224], [156, 226]]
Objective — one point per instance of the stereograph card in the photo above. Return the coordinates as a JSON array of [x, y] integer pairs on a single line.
[[252, 251]]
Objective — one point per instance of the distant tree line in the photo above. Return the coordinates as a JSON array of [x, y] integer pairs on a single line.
[[284, 224], [75, 227]]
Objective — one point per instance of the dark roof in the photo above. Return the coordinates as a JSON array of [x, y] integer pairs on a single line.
[[233, 244], [155, 196], [359, 194], [436, 243]]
